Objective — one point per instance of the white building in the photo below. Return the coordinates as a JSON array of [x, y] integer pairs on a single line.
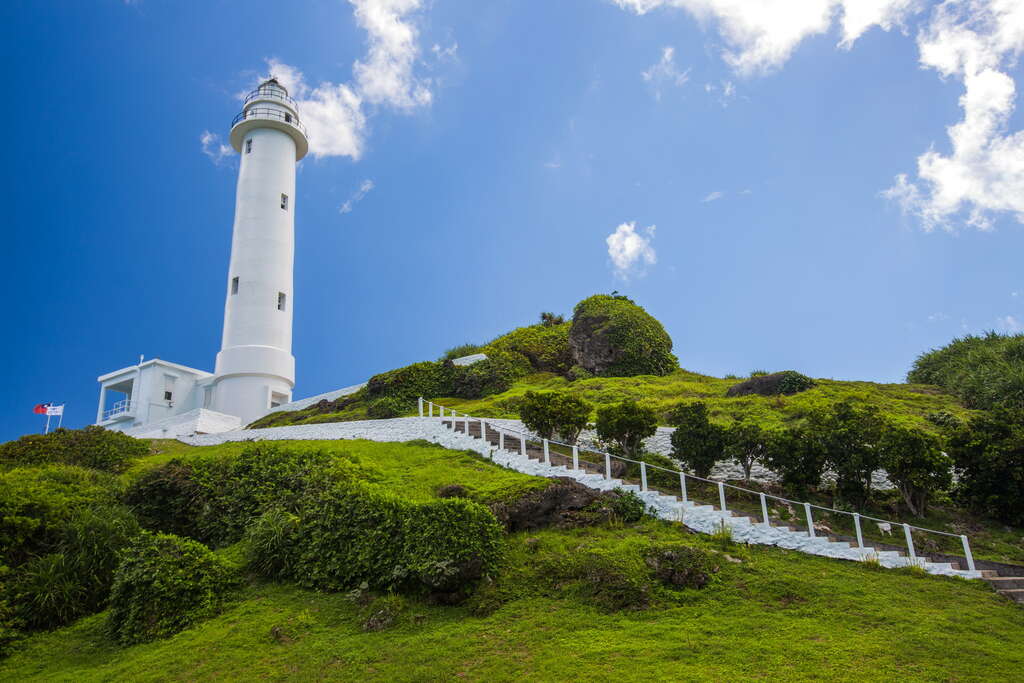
[[255, 369]]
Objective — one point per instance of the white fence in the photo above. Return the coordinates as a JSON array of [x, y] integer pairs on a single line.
[[427, 409]]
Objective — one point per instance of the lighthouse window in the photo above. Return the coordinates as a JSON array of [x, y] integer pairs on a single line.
[[288, 118], [248, 146], [234, 285], [282, 299], [284, 202]]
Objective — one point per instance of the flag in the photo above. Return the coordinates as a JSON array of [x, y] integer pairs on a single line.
[[55, 410], [41, 409]]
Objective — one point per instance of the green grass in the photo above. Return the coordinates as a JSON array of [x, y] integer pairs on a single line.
[[772, 615], [906, 404]]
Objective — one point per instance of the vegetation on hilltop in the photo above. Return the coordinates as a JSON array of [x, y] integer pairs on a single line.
[[984, 372]]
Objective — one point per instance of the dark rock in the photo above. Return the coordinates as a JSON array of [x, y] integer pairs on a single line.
[[452, 491], [565, 503], [778, 383]]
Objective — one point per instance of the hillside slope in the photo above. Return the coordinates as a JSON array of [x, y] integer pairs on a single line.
[[574, 603]]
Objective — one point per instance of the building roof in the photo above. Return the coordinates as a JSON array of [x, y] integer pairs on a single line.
[[153, 361]]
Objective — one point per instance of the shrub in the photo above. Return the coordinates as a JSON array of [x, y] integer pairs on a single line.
[[493, 375], [165, 584], [550, 413], [409, 383], [93, 447], [680, 566], [627, 507], [626, 424], [548, 319], [783, 383], [460, 351], [167, 498], [540, 348], [270, 543], [697, 442], [611, 580], [916, 465], [385, 408], [611, 336], [354, 533], [984, 372], [745, 443], [988, 454]]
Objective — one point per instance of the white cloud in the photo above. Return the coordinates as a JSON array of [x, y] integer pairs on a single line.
[[974, 41], [937, 317], [725, 92], [214, 148], [443, 53], [630, 251], [664, 72], [714, 196], [357, 196], [334, 112], [1009, 324], [762, 34]]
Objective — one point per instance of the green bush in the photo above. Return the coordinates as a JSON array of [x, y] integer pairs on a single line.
[[493, 375], [916, 465], [988, 455], [409, 383], [745, 442], [550, 413], [93, 447], [626, 425], [164, 585], [984, 372], [680, 566], [539, 348], [459, 351], [697, 442], [848, 435], [611, 580], [611, 336], [792, 382], [214, 499], [356, 533], [797, 459], [385, 408]]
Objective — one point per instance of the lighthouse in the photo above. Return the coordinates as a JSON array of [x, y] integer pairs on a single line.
[[255, 369]]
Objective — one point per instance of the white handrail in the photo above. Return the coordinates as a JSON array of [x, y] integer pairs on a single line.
[[721, 485]]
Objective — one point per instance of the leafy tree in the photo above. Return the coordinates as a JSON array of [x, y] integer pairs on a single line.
[[988, 455], [626, 424], [548, 319], [984, 372], [797, 459], [745, 443], [696, 442], [916, 465], [549, 413], [848, 436]]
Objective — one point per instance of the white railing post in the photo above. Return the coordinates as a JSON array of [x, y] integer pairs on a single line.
[[967, 553], [483, 430], [430, 409], [607, 466], [643, 476], [682, 485], [466, 424], [421, 406], [856, 525], [522, 444], [721, 495], [764, 511], [810, 520], [910, 544], [547, 454], [575, 457], [501, 440]]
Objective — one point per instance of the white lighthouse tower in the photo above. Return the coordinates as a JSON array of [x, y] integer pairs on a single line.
[[255, 369]]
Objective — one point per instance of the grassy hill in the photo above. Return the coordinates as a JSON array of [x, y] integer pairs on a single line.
[[574, 604], [907, 404]]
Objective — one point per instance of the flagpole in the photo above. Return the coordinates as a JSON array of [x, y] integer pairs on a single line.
[[60, 418], [47, 424]]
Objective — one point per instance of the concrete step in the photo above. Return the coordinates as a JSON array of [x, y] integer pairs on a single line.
[[1006, 582], [1015, 594]]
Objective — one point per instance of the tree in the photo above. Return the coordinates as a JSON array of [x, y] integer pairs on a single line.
[[916, 465], [848, 435], [988, 455], [796, 458], [745, 443], [696, 442], [626, 424], [548, 319], [549, 413]]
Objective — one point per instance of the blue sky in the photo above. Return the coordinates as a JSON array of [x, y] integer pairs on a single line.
[[476, 163]]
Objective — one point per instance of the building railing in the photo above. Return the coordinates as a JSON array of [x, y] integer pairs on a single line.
[[268, 93], [683, 479], [119, 408], [269, 113]]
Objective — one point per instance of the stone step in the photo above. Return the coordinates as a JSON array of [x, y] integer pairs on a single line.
[[1001, 583], [1015, 594]]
